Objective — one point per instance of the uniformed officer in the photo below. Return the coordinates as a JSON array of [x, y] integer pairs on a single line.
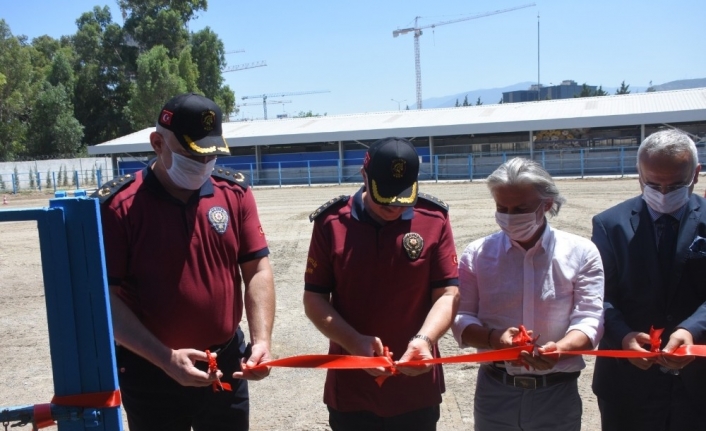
[[382, 272], [178, 235]]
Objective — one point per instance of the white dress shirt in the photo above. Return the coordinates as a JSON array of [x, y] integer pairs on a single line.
[[554, 287]]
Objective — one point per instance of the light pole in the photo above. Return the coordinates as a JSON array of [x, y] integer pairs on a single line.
[[398, 102]]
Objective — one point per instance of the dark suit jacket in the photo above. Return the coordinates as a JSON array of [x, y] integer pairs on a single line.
[[635, 297]]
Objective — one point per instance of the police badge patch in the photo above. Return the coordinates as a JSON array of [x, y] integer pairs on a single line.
[[218, 217], [413, 244]]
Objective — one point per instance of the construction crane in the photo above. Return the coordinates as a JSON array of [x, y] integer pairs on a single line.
[[245, 66], [265, 96], [418, 32]]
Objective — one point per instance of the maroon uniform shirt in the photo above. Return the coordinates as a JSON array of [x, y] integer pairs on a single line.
[[380, 290], [177, 264]]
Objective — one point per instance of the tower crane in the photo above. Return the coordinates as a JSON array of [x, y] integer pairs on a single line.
[[418, 32], [265, 96], [245, 66]]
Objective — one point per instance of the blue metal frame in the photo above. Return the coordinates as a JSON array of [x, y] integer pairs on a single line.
[[78, 306]]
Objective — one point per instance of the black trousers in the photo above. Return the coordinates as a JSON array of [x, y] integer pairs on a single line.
[[154, 401], [417, 420], [674, 411]]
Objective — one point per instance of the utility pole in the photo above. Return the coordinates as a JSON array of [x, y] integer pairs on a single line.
[[398, 103]]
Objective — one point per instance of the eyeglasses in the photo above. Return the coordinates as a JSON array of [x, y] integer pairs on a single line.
[[668, 189]]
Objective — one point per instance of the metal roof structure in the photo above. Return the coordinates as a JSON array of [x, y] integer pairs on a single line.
[[679, 106]]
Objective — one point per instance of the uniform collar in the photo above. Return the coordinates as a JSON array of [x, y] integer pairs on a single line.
[[150, 179], [358, 210]]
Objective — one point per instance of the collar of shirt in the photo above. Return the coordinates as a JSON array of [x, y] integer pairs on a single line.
[[676, 214], [150, 179], [358, 210]]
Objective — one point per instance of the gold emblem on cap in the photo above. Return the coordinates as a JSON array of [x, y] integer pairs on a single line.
[[413, 244], [208, 119], [399, 166], [193, 146], [395, 199]]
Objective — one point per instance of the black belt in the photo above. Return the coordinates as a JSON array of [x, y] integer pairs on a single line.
[[529, 382]]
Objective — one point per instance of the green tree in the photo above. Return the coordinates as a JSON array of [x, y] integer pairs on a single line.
[[478, 102], [16, 178], [457, 104], [465, 101], [303, 114], [225, 99], [157, 81], [585, 91], [600, 92], [104, 67], [651, 88], [54, 129], [160, 22], [16, 94], [48, 181], [624, 89], [188, 71], [209, 55], [61, 70]]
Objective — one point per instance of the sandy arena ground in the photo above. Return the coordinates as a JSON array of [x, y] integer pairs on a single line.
[[290, 399]]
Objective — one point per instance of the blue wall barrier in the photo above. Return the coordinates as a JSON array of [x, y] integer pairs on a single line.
[[326, 168]]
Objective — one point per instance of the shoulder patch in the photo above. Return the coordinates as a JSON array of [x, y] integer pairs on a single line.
[[436, 201], [107, 190], [231, 175], [329, 204]]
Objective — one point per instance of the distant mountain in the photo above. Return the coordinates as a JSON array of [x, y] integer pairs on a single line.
[[490, 96], [682, 84]]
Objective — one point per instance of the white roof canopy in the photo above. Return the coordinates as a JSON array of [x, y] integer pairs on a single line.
[[607, 111]]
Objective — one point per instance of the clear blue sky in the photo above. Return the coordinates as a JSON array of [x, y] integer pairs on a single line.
[[347, 47]]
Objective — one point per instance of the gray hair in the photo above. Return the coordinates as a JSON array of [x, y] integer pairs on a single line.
[[525, 171], [669, 142]]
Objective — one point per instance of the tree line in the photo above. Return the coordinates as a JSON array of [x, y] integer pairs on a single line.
[[58, 96]]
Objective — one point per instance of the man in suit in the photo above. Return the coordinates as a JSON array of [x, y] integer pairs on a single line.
[[654, 256]]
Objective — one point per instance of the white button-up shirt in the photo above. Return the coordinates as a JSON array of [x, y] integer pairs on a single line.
[[554, 287]]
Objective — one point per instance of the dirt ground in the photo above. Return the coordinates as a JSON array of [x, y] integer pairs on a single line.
[[290, 399]]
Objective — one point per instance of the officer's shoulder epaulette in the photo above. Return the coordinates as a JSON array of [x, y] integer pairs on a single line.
[[109, 189], [328, 205], [231, 175], [436, 201]]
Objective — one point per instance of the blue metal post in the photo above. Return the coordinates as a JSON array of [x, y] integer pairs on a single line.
[[14, 186], [39, 182], [53, 180], [622, 161], [99, 177], [279, 172], [78, 308], [504, 157], [544, 161], [470, 167], [76, 180], [308, 171], [436, 168], [582, 163], [340, 171], [252, 175]]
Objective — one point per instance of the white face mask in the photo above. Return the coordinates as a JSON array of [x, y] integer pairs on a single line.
[[666, 204], [519, 227], [189, 174]]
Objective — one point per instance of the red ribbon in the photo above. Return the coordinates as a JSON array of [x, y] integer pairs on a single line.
[[213, 369], [43, 418], [523, 342]]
